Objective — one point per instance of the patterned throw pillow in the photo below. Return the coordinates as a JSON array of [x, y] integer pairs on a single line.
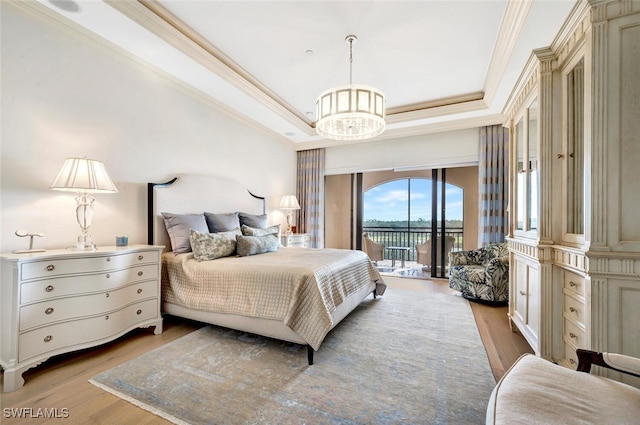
[[209, 246], [252, 231], [252, 245]]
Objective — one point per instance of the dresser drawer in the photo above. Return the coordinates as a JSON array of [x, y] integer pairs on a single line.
[[39, 290], [573, 309], [574, 282], [571, 355], [58, 336], [66, 266], [52, 311], [574, 334]]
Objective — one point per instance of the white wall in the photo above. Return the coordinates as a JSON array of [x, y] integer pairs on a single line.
[[451, 149], [64, 95]]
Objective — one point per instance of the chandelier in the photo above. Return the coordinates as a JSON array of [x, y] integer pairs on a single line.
[[353, 112]]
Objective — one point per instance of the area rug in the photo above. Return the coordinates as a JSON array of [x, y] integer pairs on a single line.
[[408, 357]]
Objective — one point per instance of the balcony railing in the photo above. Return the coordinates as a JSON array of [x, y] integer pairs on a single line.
[[410, 238]]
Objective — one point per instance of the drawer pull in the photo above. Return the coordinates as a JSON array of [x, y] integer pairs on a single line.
[[48, 310], [49, 288], [106, 295], [51, 268], [572, 284], [140, 257], [139, 312], [108, 276], [106, 317], [140, 273], [572, 335], [572, 361], [139, 290], [108, 259], [48, 338], [523, 293], [572, 309]]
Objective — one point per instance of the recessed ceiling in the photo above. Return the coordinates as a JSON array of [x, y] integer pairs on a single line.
[[443, 65]]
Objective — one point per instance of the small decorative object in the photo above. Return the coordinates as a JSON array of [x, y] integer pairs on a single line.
[[289, 203], [84, 176], [122, 240], [23, 233]]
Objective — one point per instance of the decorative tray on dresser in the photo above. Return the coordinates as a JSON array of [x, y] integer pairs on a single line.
[[62, 300]]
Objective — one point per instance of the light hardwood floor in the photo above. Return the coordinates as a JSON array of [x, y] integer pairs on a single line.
[[61, 382]]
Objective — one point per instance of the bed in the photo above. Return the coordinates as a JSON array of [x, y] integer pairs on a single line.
[[291, 294]]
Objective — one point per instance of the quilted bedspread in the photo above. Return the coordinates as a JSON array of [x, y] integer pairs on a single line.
[[300, 287]]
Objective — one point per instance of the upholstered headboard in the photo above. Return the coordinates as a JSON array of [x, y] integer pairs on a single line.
[[191, 193]]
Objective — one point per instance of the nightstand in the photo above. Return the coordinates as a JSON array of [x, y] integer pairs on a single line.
[[62, 300], [296, 240]]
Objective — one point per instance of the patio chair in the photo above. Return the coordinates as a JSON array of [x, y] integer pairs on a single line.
[[374, 250], [424, 250]]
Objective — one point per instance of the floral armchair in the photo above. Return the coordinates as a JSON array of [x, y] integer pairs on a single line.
[[481, 274]]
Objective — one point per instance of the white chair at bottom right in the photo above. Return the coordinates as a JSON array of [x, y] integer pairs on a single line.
[[536, 391]]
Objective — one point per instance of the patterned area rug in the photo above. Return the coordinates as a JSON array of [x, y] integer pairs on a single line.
[[408, 357]]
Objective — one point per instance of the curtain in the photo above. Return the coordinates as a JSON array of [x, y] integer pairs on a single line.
[[310, 193], [493, 180]]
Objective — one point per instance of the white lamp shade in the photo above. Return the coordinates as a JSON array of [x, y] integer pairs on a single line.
[[289, 202], [83, 175]]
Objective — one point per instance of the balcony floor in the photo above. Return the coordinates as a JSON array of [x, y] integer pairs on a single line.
[[411, 269]]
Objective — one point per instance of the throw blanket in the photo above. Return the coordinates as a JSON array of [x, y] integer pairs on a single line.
[[300, 287]]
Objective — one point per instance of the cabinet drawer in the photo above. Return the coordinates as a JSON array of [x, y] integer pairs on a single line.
[[67, 334], [574, 334], [86, 305], [60, 267], [573, 309], [570, 355], [574, 282], [39, 290]]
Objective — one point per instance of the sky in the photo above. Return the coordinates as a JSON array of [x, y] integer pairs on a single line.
[[388, 201]]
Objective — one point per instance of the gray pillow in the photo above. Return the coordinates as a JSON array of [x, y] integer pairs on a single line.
[[253, 220], [252, 245], [222, 222], [178, 227], [252, 231], [209, 246]]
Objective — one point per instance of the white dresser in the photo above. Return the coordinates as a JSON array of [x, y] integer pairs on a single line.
[[58, 301], [296, 240]]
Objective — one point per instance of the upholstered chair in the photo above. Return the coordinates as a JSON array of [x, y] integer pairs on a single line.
[[424, 250], [481, 274], [374, 250]]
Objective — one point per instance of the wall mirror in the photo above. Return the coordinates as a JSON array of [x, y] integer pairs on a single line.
[[574, 149]]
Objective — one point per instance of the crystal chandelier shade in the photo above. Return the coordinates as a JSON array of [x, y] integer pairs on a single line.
[[351, 112]]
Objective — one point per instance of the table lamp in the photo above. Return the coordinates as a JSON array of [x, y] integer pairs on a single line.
[[84, 177], [289, 203]]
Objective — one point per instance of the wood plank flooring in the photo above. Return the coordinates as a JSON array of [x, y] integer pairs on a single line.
[[61, 382]]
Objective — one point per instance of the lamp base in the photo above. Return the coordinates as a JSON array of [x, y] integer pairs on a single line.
[[85, 243]]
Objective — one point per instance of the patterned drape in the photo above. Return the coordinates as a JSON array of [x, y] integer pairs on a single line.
[[310, 193], [493, 179]]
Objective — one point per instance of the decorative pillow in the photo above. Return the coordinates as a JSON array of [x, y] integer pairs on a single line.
[[178, 227], [209, 246], [252, 231], [252, 245], [222, 222], [252, 220]]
